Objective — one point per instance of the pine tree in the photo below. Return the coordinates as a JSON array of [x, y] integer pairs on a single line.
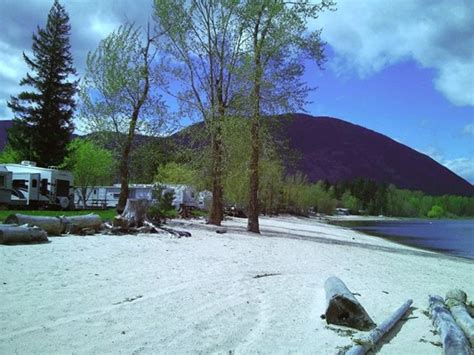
[[42, 125]]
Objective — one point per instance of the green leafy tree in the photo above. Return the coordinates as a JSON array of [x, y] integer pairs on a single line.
[[176, 173], [278, 41], [42, 124], [204, 43], [91, 166], [9, 155], [116, 95]]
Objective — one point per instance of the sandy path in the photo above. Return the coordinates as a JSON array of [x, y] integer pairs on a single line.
[[149, 294]]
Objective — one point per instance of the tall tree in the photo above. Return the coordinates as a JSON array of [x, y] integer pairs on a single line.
[[116, 94], [43, 116], [278, 42], [204, 45]]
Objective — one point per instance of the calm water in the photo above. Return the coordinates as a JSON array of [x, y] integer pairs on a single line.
[[455, 237]]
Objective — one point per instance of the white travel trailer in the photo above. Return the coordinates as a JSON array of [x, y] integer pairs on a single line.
[[5, 186], [38, 187]]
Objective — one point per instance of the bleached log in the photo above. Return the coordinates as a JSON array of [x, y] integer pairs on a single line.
[[75, 224], [452, 337], [343, 308], [456, 302], [52, 225], [372, 339], [135, 211], [22, 234]]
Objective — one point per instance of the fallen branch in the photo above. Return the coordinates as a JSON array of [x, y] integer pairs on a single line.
[[343, 308], [22, 234], [371, 340], [52, 225], [456, 302], [452, 337]]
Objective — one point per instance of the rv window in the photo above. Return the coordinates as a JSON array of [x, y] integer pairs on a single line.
[[34, 183], [44, 186], [2, 180], [116, 195], [18, 184]]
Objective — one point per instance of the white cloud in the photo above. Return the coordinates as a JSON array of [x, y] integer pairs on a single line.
[[468, 130], [370, 35], [463, 166]]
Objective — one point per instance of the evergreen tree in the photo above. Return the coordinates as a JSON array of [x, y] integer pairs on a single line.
[[42, 124]]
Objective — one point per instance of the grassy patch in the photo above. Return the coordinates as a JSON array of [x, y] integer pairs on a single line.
[[104, 214]]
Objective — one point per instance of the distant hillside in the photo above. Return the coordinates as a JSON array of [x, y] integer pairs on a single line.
[[335, 150], [4, 126]]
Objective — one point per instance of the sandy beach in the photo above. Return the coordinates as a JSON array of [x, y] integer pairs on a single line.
[[215, 293]]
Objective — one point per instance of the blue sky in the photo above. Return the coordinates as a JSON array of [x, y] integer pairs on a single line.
[[404, 68]]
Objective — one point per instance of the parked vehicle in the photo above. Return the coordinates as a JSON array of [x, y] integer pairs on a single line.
[[35, 186], [5, 186]]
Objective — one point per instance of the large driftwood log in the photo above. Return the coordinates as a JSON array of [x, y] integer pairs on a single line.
[[135, 211], [372, 339], [76, 224], [52, 225], [343, 308], [452, 337], [21, 234], [456, 302]]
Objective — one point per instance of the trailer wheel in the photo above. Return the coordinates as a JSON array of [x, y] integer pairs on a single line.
[[63, 202]]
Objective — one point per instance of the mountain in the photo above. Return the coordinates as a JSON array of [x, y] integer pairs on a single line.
[[4, 126], [326, 148], [337, 150]]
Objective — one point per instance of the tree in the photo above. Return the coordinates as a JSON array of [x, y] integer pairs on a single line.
[[277, 44], [116, 93], [204, 44], [436, 212], [91, 166], [175, 173], [42, 125]]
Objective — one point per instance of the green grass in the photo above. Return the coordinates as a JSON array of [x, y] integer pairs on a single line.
[[104, 214]]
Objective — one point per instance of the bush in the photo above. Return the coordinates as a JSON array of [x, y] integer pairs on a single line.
[[436, 212], [162, 208]]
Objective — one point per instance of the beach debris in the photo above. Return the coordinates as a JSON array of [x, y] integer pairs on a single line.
[[83, 224], [370, 341], [265, 275], [452, 337], [221, 230], [12, 234], [343, 308], [456, 302]]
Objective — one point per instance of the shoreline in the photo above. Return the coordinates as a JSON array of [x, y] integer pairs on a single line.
[[152, 293]]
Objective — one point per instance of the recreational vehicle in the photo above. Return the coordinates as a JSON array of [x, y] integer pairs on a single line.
[[40, 187], [5, 186]]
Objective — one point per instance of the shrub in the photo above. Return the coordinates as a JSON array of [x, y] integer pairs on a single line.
[[436, 212]]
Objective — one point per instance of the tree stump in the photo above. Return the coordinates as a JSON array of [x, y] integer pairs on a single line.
[[343, 308], [452, 337], [135, 212], [52, 225], [22, 234]]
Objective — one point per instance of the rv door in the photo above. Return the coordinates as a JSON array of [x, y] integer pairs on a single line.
[[33, 187]]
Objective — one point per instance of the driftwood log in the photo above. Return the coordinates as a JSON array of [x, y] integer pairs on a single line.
[[452, 337], [343, 308], [52, 225], [372, 339], [456, 302], [21, 234], [135, 212], [77, 224]]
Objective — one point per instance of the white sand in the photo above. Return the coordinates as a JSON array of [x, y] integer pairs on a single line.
[[154, 294]]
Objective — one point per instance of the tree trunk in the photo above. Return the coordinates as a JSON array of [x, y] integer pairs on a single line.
[[19, 234], [456, 302], [371, 340], [75, 224], [216, 214], [343, 308], [453, 339], [253, 208], [52, 225], [135, 212]]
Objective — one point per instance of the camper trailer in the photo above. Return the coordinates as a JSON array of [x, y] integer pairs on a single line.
[[34, 186], [5, 186]]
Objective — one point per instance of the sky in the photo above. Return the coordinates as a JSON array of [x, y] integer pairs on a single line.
[[403, 68]]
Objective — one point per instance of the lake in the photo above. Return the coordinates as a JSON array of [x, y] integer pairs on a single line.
[[454, 237]]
